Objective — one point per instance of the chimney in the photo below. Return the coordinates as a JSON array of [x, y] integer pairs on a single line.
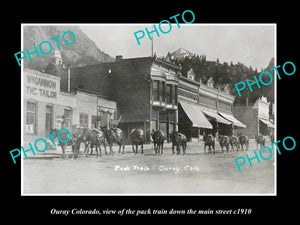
[[119, 58]]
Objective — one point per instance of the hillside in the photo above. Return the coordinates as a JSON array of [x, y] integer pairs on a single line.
[[224, 73], [83, 51]]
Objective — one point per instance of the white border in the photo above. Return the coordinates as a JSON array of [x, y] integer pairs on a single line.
[[149, 24]]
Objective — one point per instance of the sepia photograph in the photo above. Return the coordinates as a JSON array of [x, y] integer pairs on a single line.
[[148, 109]]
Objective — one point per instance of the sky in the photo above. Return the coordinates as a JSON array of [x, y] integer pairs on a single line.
[[250, 44]]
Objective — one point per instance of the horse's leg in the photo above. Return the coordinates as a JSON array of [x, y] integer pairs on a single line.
[[63, 152], [123, 144], [77, 150], [99, 149], [133, 148], [111, 150], [136, 148], [173, 149], [86, 148], [162, 147], [73, 150], [154, 144], [104, 144], [90, 148], [142, 149]]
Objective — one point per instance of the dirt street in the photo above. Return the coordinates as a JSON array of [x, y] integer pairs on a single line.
[[194, 173]]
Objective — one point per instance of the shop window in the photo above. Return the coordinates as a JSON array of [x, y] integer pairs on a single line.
[[172, 116], [163, 115], [154, 124], [83, 120], [31, 117]]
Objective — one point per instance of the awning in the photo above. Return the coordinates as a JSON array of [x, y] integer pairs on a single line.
[[195, 115], [215, 115], [233, 120], [268, 123]]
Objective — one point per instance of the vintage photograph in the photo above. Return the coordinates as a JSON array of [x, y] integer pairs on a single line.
[[105, 114]]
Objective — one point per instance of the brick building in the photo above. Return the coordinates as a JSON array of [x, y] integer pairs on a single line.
[[151, 94], [145, 90]]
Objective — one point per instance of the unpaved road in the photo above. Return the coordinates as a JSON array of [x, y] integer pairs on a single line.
[[194, 173]]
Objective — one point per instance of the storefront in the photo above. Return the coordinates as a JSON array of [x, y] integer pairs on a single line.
[[204, 109], [43, 103]]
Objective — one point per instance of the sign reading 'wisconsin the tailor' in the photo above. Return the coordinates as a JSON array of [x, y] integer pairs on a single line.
[[38, 86]]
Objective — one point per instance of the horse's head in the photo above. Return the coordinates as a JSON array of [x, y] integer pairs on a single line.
[[157, 135], [210, 137]]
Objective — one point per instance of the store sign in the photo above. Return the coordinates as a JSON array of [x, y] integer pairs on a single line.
[[41, 86]]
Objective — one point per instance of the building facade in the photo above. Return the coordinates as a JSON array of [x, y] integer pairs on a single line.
[[43, 102], [256, 117], [204, 109], [152, 94]]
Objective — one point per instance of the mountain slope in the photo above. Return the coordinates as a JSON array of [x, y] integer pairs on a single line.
[[82, 51], [224, 73]]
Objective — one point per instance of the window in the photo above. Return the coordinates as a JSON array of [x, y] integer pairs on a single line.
[[68, 117], [83, 120], [175, 95], [31, 118], [155, 90], [162, 91], [169, 93], [95, 121], [49, 119], [172, 116], [154, 114], [153, 125], [163, 116]]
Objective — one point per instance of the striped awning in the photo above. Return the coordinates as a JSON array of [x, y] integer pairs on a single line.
[[267, 122], [196, 116], [216, 116], [232, 119]]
